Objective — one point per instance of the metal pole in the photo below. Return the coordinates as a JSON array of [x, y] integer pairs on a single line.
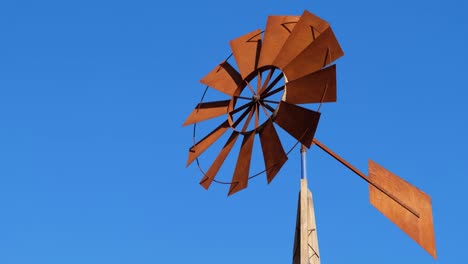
[[303, 162]]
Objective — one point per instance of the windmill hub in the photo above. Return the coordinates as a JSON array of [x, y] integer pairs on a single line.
[[256, 100]]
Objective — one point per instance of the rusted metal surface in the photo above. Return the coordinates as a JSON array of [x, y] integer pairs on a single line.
[[273, 152], [404, 204], [365, 178], [420, 229], [299, 122], [307, 29], [223, 78], [321, 52], [316, 87], [205, 111], [246, 51], [207, 141], [262, 93], [277, 31], [218, 162], [241, 173]]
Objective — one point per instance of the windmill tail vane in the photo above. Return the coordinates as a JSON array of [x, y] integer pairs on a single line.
[[277, 75], [405, 205]]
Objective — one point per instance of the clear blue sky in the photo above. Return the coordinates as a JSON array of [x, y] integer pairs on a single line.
[[92, 151]]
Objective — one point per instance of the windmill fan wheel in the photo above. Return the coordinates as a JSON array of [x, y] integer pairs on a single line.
[[298, 50]]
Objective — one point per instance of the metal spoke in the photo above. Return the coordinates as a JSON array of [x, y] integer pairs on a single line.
[[268, 106], [270, 101], [267, 80], [249, 118], [241, 108], [265, 111], [259, 81], [244, 114], [257, 113], [272, 84], [250, 88], [279, 89], [243, 97]]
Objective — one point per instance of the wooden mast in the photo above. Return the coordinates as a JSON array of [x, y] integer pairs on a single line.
[[306, 250]]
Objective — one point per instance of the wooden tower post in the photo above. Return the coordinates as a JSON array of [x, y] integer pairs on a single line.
[[306, 250]]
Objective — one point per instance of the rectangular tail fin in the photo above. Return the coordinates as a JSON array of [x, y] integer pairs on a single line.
[[418, 226]]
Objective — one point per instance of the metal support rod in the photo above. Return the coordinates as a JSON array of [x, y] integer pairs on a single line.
[[363, 176], [303, 162]]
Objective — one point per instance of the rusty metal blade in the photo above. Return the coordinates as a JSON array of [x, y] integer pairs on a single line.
[[299, 122], [241, 173], [308, 28], [420, 226], [208, 110], [197, 149], [273, 152], [277, 30], [218, 162], [223, 78], [321, 52], [316, 87], [246, 51]]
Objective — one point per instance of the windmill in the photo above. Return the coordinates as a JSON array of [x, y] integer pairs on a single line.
[[287, 64]]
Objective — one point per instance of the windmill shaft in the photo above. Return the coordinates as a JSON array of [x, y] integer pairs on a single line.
[[364, 177]]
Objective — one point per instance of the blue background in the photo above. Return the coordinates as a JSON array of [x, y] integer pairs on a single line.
[[92, 151]]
